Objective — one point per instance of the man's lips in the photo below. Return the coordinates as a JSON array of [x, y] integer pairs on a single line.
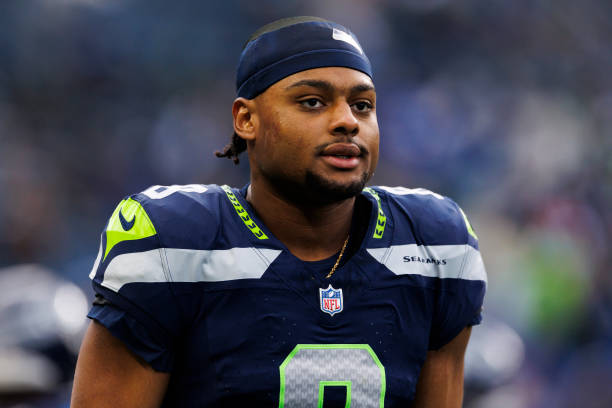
[[342, 155], [342, 149]]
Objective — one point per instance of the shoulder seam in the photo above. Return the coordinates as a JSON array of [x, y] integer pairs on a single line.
[[165, 264], [261, 255], [162, 254], [463, 261], [466, 238]]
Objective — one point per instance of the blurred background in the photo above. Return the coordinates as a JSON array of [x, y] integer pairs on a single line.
[[505, 106]]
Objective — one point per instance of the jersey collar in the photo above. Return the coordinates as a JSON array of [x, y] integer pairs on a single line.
[[378, 234]]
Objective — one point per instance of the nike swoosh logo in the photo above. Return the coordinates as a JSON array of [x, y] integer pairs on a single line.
[[125, 224]]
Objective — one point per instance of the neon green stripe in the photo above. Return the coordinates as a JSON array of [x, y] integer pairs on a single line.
[[281, 368], [379, 230], [131, 211], [243, 214], [468, 225], [346, 384]]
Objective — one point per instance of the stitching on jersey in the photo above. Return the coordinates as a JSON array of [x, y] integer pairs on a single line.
[[381, 220], [166, 265], [243, 214], [261, 256], [387, 255], [466, 246], [163, 258], [463, 261]]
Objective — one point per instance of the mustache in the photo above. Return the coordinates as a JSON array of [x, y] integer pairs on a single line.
[[363, 151]]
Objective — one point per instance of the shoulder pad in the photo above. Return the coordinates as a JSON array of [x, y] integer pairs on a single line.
[[184, 216], [435, 219]]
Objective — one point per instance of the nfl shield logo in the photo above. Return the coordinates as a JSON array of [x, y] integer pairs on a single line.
[[331, 300]]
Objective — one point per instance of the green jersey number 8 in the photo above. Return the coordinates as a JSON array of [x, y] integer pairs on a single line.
[[309, 368]]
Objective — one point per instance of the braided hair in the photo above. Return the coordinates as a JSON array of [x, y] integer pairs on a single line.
[[237, 144], [233, 148]]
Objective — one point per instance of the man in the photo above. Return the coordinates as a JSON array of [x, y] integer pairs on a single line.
[[302, 289]]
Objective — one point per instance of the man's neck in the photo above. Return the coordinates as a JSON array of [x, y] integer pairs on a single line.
[[310, 232]]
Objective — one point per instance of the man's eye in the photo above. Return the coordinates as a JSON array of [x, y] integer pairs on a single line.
[[363, 106], [311, 103]]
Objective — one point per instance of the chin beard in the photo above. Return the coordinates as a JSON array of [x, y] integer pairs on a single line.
[[317, 190], [324, 191]]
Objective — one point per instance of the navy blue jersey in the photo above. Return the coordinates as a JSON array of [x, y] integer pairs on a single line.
[[196, 285]]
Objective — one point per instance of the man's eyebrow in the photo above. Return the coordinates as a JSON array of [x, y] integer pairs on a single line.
[[362, 88], [327, 86], [323, 85]]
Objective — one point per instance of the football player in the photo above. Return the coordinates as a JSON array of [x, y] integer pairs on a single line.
[[304, 288]]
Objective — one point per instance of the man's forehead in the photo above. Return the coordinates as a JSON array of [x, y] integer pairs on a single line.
[[328, 79]]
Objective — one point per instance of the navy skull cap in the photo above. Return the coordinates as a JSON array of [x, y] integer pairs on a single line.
[[309, 44]]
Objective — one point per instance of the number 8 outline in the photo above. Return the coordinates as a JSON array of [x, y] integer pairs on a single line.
[[324, 353]]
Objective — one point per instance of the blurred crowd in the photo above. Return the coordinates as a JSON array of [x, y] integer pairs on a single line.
[[505, 106]]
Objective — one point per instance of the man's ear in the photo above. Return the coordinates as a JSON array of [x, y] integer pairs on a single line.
[[245, 118]]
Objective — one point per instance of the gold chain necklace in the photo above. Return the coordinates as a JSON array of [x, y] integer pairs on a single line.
[[333, 269]]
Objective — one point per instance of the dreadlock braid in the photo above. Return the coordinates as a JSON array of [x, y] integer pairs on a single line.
[[233, 149]]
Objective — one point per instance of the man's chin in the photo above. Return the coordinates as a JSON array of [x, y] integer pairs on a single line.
[[323, 190]]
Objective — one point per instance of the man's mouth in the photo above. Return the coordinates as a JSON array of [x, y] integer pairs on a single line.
[[345, 150], [342, 155]]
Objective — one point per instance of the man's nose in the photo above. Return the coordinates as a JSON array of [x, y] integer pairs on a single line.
[[344, 122]]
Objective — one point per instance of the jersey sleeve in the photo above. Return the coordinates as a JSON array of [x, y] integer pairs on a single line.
[[461, 292], [134, 298]]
